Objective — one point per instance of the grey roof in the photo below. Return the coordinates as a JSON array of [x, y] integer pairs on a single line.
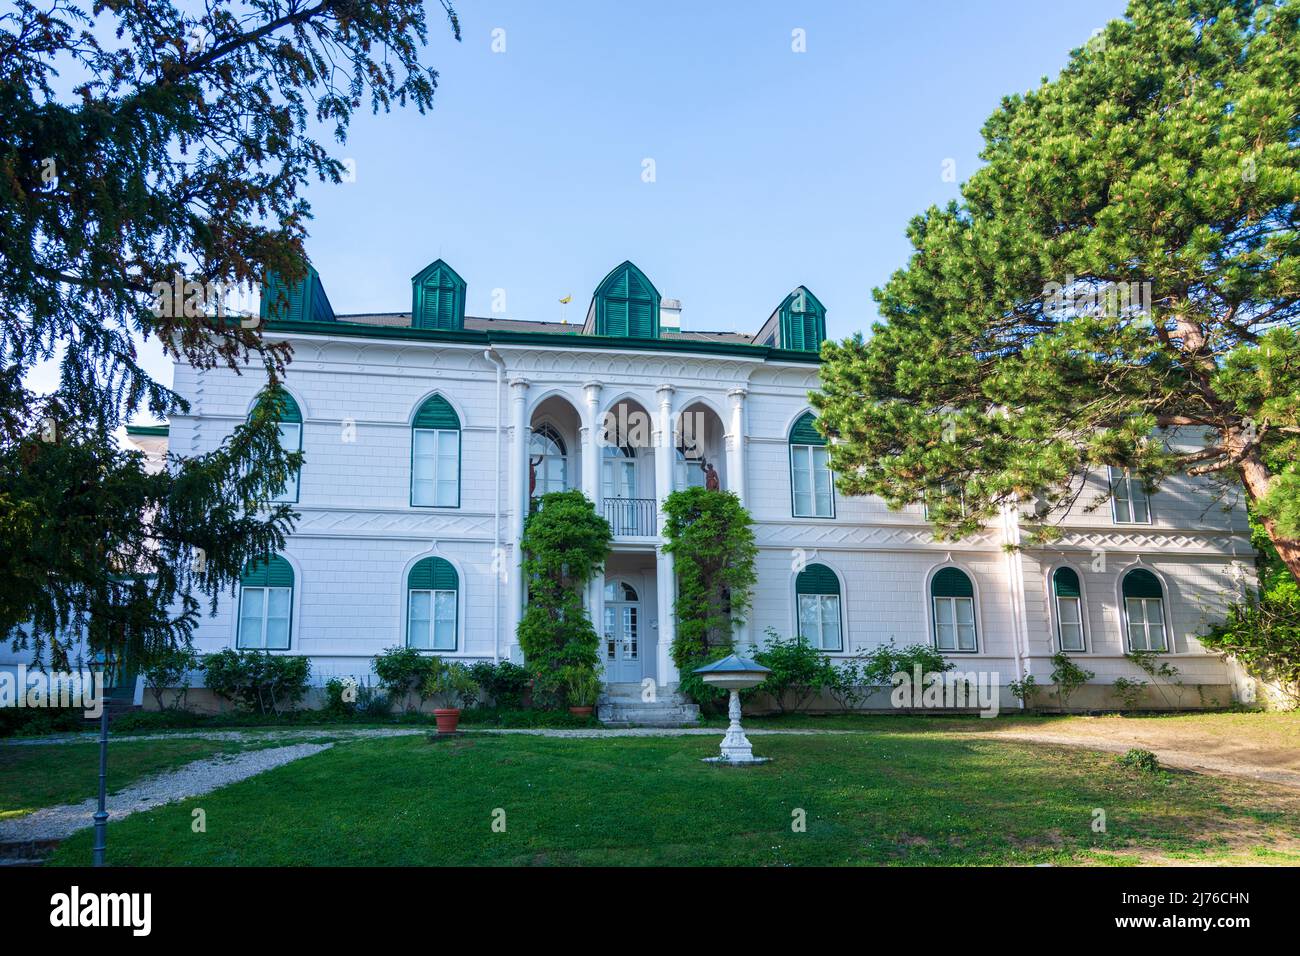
[[486, 323]]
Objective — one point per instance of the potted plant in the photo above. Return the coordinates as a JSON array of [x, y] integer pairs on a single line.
[[451, 685], [582, 686]]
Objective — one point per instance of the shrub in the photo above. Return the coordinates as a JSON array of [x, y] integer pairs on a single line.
[[1141, 760], [259, 680], [1265, 638], [1024, 690], [881, 664], [846, 683], [450, 683], [169, 667], [564, 545], [799, 672], [504, 682], [1128, 691], [340, 697], [1068, 677], [581, 686], [403, 672]]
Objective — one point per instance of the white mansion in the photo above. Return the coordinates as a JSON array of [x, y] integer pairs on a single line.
[[425, 434]]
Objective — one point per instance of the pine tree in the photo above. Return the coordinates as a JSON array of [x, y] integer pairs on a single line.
[[1118, 286]]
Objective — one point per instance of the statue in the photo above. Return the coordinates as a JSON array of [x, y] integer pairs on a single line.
[[711, 481]]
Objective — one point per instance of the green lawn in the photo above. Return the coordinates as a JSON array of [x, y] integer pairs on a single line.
[[915, 797], [47, 775]]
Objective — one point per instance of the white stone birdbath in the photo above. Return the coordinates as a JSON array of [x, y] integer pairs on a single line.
[[735, 674]]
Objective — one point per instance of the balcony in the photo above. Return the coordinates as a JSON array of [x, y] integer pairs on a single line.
[[632, 517]]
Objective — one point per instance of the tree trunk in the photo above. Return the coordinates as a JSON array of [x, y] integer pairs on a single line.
[[1255, 476]]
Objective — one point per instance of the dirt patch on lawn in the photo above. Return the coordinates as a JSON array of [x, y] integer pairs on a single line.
[[1272, 758]]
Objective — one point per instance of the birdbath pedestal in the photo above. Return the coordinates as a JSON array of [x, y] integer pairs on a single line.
[[734, 673]]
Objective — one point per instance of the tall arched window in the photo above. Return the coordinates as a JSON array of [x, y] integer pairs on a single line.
[[811, 487], [952, 597], [290, 418], [1069, 608], [817, 590], [549, 459], [1144, 611], [690, 467], [435, 455], [266, 605], [432, 605]]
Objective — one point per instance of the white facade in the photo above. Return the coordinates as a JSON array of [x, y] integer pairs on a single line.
[[360, 382]]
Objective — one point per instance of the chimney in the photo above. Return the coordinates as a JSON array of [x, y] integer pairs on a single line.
[[670, 316]]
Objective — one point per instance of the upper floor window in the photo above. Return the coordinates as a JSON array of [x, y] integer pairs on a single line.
[[432, 605], [1069, 608], [690, 466], [1144, 611], [1129, 501], [265, 605], [548, 460], [817, 590], [435, 455], [812, 490], [290, 427], [953, 602]]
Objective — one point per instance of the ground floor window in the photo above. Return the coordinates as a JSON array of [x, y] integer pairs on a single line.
[[1069, 609], [1144, 611], [265, 605], [432, 605], [953, 605], [817, 590]]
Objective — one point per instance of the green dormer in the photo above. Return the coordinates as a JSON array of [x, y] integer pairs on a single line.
[[625, 304], [304, 302], [798, 324], [438, 298]]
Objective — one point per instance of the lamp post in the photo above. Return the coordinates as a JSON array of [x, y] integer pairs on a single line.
[[734, 673]]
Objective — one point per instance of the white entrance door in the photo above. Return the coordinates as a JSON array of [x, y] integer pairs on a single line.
[[622, 644]]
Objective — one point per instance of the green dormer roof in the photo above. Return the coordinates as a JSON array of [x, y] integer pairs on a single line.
[[802, 321], [438, 298], [625, 304], [304, 302]]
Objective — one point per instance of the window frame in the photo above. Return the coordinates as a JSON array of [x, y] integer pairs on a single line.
[[812, 478], [437, 442], [1127, 621], [266, 589], [1120, 477], [552, 434], [433, 618], [1080, 604], [951, 601], [822, 601]]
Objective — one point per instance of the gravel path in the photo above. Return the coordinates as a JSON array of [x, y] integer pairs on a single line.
[[191, 780]]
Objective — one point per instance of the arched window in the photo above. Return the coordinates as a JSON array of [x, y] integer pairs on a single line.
[[811, 487], [953, 598], [265, 605], [1069, 608], [432, 605], [817, 590], [549, 460], [1144, 611], [290, 418], [435, 455], [690, 467]]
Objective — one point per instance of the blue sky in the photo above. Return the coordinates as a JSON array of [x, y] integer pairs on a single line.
[[772, 168]]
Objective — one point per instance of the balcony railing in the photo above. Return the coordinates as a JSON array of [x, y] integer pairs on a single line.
[[632, 517]]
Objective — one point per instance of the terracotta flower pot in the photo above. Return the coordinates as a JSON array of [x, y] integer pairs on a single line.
[[447, 719], [580, 711]]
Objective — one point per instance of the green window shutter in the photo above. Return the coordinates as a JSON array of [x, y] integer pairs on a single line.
[[802, 321], [285, 410], [433, 574], [436, 412], [272, 572], [804, 432], [951, 582], [627, 304], [816, 579], [1141, 583], [438, 298], [1066, 583]]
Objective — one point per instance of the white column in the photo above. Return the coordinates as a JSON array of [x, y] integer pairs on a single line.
[[591, 432], [665, 577], [518, 509], [736, 478], [736, 443]]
